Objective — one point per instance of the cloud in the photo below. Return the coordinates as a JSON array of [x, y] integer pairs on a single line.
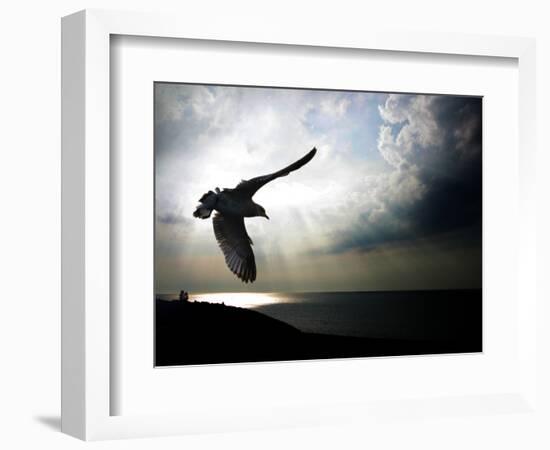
[[433, 146], [170, 218], [334, 105], [390, 169], [207, 137]]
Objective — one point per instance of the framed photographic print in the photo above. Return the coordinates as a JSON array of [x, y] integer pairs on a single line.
[[270, 229], [363, 255]]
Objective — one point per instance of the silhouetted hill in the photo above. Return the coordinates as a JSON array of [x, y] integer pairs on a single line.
[[207, 333]]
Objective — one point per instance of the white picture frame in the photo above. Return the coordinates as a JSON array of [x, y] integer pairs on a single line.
[[86, 245]]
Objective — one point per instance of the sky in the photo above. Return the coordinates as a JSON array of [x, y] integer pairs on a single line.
[[391, 201]]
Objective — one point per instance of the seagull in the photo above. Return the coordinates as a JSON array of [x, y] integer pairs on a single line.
[[232, 206]]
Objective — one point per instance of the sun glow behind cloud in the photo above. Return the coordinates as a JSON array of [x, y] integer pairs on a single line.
[[334, 222]]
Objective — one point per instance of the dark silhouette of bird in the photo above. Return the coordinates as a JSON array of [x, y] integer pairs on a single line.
[[232, 206]]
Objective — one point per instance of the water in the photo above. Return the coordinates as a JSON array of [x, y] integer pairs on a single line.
[[446, 314]]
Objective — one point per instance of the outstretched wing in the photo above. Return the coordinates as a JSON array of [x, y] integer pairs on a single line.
[[250, 187], [236, 246]]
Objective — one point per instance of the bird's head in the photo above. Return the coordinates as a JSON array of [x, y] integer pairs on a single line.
[[260, 211]]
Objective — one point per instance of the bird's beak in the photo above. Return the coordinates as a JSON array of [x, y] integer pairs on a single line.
[[265, 215]]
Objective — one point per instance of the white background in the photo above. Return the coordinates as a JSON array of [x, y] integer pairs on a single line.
[[30, 138]]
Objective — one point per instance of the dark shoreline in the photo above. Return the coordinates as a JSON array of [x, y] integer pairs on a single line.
[[208, 333]]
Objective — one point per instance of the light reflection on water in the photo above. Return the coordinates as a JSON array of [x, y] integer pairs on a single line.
[[240, 299]]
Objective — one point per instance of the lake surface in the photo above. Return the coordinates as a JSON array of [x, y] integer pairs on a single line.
[[432, 315]]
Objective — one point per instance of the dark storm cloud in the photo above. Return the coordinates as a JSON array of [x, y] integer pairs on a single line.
[[432, 145], [171, 218]]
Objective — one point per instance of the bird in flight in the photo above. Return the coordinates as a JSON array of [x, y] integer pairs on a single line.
[[232, 206]]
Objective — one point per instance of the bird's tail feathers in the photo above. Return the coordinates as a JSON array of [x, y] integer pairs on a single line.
[[206, 206], [202, 212]]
